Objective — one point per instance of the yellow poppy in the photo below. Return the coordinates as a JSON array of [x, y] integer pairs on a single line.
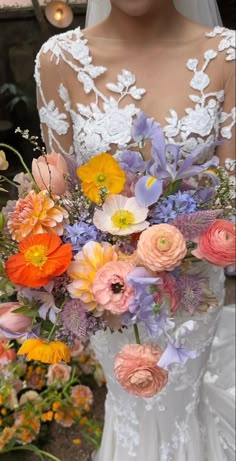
[[38, 349], [101, 176]]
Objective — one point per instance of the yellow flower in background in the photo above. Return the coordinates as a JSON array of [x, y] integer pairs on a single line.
[[100, 177], [38, 349], [3, 161]]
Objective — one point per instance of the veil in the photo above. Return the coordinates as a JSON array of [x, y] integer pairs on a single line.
[[205, 12]]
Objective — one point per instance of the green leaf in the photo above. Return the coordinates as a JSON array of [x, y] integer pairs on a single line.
[[28, 311]]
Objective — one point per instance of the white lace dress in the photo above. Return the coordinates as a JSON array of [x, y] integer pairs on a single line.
[[87, 98]]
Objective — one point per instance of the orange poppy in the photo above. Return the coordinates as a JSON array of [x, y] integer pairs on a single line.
[[40, 257]]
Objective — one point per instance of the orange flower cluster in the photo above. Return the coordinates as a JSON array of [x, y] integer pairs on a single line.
[[35, 377], [82, 397], [28, 427]]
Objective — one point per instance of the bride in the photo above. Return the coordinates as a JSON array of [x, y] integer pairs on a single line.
[[149, 55]]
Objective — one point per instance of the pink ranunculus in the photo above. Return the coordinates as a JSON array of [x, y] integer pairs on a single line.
[[58, 373], [77, 348], [110, 289], [217, 244], [169, 289], [12, 323], [161, 247], [137, 371], [49, 171]]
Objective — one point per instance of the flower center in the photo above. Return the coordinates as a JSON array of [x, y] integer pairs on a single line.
[[117, 287], [100, 179], [122, 219], [36, 255], [163, 244]]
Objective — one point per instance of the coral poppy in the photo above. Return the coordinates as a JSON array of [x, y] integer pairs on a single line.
[[40, 258], [38, 349], [100, 177]]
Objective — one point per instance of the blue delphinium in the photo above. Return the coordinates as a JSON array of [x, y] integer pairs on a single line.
[[80, 233], [173, 206]]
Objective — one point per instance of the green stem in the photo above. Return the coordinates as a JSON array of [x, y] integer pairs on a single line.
[[136, 333], [36, 450], [4, 179], [6, 146]]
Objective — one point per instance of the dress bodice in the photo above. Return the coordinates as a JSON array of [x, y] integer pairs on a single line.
[[88, 95]]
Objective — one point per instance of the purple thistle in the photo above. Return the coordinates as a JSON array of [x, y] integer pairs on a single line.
[[74, 318], [194, 224], [191, 293]]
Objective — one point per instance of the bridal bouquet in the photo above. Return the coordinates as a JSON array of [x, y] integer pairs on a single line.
[[114, 243]]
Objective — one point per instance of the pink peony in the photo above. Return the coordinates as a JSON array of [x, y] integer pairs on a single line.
[[110, 289], [137, 371], [217, 244], [12, 323], [58, 373], [161, 247], [48, 172], [169, 289]]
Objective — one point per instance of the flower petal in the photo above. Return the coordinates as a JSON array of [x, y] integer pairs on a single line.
[[148, 190]]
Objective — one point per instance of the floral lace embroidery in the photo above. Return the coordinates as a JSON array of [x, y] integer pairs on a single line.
[[102, 123]]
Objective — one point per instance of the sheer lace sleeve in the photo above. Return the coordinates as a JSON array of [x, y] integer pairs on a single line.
[[228, 115], [53, 101]]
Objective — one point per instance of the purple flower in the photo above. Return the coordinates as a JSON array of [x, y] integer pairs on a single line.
[[175, 351], [191, 292], [173, 206], [132, 162], [167, 165], [45, 299], [77, 322], [173, 354], [74, 318], [80, 233], [143, 127]]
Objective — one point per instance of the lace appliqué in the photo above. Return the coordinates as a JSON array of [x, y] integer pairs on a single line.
[[102, 123]]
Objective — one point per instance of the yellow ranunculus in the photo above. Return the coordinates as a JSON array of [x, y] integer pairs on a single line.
[[101, 176]]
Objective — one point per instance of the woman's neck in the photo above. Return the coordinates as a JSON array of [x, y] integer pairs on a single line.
[[161, 23]]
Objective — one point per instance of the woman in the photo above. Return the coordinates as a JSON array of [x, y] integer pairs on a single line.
[[146, 55]]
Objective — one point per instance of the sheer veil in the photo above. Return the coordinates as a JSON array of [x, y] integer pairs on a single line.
[[205, 12]]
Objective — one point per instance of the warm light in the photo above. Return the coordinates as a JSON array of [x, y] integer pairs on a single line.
[[58, 15]]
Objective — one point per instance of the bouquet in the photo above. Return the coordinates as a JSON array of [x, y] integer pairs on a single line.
[[34, 394], [114, 243]]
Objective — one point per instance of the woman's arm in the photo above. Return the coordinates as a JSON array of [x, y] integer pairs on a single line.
[[53, 103]]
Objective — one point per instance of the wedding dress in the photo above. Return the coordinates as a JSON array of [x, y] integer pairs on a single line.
[[88, 94]]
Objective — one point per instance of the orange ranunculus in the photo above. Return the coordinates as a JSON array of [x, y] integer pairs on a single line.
[[38, 349], [101, 176], [36, 214], [41, 257]]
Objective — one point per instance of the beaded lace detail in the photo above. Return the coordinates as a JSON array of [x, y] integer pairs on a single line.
[[104, 122]]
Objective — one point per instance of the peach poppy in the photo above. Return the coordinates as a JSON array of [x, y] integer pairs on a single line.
[[40, 258], [46, 352]]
